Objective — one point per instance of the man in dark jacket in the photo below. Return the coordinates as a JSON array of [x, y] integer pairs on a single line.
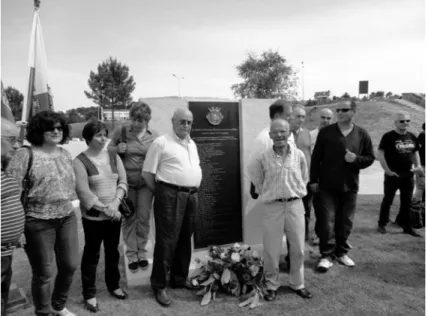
[[341, 150]]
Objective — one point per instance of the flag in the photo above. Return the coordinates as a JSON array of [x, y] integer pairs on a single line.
[[6, 111], [38, 95]]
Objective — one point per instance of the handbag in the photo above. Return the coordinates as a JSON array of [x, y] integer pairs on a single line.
[[26, 179], [126, 207]]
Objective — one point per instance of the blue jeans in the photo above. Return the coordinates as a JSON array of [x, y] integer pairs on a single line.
[[6, 277], [336, 218], [44, 238]]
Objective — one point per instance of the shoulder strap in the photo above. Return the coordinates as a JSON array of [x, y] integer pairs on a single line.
[[30, 162], [113, 161], [91, 169], [123, 135]]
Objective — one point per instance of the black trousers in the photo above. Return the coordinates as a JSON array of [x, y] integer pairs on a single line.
[[307, 204], [174, 213], [317, 210], [336, 221], [390, 186], [6, 277], [97, 232]]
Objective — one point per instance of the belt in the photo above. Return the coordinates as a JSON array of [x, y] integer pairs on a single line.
[[286, 200], [190, 190]]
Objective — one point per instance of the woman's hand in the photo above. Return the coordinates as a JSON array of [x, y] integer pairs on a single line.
[[121, 148], [113, 209]]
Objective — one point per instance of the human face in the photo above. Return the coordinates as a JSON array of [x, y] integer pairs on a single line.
[[182, 124], [279, 133], [8, 146], [344, 112], [99, 140], [326, 117], [54, 135], [297, 119], [138, 124], [402, 122]]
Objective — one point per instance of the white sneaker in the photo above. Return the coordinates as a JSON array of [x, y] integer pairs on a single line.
[[64, 312], [346, 261], [324, 265]]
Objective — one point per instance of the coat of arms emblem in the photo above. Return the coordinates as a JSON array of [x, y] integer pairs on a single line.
[[214, 116]]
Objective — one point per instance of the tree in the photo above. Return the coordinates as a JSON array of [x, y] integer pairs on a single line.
[[389, 94], [16, 99], [345, 96], [88, 112], [111, 86], [265, 76], [74, 116], [380, 94]]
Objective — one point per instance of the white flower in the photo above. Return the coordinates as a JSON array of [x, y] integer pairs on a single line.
[[235, 257], [222, 255], [255, 254], [236, 245]]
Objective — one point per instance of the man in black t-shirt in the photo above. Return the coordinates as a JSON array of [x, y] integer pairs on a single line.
[[397, 152], [420, 179]]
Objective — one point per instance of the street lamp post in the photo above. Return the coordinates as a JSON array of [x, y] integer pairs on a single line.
[[303, 81], [178, 83]]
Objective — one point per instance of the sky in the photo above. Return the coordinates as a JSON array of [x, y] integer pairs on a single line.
[[202, 41]]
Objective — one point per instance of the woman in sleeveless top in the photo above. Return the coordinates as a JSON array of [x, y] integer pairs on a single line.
[[101, 186]]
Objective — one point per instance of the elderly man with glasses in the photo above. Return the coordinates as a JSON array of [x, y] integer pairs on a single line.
[[397, 152], [340, 152]]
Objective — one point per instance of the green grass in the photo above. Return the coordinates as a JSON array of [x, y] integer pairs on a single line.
[[388, 279]]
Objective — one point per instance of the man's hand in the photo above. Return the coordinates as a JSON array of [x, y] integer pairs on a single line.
[[314, 187], [391, 173], [350, 156], [121, 148], [22, 241]]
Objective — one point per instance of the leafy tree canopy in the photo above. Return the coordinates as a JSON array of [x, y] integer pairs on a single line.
[[265, 76], [16, 99]]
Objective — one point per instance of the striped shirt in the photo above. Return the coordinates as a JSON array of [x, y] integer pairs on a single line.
[[278, 178], [174, 160], [12, 213]]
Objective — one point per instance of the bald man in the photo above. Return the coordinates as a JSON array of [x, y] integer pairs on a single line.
[[12, 213], [172, 171], [397, 152], [280, 175]]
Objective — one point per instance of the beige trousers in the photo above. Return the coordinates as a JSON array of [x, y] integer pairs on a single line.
[[277, 219]]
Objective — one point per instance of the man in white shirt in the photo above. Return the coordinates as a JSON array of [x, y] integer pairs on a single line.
[[325, 119], [172, 171], [280, 176]]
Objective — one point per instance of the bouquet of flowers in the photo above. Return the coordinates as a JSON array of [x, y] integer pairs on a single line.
[[236, 270]]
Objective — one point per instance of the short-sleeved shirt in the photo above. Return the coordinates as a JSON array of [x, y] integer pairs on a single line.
[[398, 150], [421, 147], [12, 213], [52, 182], [136, 151], [174, 160]]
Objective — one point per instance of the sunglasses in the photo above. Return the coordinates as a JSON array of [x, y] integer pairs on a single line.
[[50, 130], [343, 110], [326, 117], [404, 121]]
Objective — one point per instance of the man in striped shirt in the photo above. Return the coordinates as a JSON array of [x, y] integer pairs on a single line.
[[280, 175], [12, 213]]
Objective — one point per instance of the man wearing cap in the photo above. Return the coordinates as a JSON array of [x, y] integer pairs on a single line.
[[172, 171], [12, 213], [280, 175]]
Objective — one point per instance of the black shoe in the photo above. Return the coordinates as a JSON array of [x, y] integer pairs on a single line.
[[270, 296], [119, 296], [162, 298], [90, 307], [143, 264], [303, 293], [381, 229], [133, 266], [412, 232], [186, 285]]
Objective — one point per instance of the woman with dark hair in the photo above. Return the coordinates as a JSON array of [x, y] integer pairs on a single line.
[[101, 185], [132, 142], [51, 225]]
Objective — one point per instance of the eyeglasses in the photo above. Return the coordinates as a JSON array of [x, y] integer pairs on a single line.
[[184, 122], [404, 121], [52, 129], [343, 110], [326, 117], [13, 140]]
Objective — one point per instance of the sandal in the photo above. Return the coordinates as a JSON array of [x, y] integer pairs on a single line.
[[90, 307]]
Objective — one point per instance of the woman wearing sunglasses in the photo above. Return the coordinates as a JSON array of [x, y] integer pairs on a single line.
[[51, 225]]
